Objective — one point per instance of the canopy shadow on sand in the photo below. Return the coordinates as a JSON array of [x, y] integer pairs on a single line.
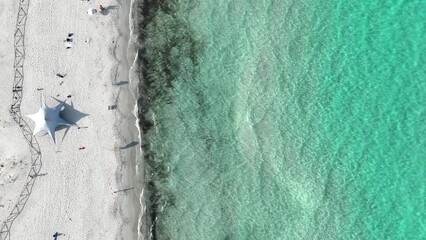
[[71, 115]]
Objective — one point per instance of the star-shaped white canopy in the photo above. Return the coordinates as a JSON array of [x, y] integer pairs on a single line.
[[48, 119]]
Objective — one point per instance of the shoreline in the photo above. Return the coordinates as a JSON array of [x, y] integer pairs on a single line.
[[126, 126]]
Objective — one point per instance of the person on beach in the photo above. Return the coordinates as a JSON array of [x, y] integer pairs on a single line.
[[101, 7]]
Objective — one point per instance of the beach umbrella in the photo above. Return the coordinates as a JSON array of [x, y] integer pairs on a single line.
[[91, 11], [48, 119]]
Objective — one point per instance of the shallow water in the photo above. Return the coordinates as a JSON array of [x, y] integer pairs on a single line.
[[284, 120]]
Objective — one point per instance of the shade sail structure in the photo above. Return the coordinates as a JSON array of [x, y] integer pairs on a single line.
[[48, 119]]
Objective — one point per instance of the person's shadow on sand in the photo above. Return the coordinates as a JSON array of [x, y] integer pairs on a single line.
[[129, 145], [120, 83], [106, 10], [56, 235]]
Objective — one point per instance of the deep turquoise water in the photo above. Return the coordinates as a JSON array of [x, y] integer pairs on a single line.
[[284, 119]]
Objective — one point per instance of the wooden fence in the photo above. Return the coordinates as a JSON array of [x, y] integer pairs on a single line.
[[15, 111]]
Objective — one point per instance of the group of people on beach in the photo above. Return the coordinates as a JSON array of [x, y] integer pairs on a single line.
[[93, 10]]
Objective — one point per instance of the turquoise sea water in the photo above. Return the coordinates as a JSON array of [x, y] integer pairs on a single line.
[[284, 119]]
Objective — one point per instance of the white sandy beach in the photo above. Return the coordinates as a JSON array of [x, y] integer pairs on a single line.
[[76, 196]]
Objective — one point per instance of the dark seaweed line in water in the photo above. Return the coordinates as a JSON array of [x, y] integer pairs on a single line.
[[155, 91], [146, 10]]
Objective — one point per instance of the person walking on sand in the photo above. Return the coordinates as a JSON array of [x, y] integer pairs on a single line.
[[101, 7]]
